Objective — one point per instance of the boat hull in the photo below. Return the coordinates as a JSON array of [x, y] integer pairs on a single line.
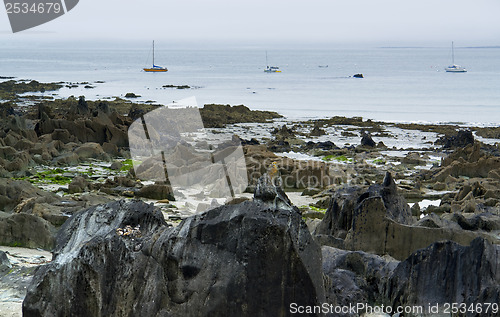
[[455, 70], [156, 70]]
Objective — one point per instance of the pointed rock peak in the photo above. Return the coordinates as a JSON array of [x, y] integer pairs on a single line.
[[265, 190], [82, 106], [269, 191], [18, 123], [389, 181], [366, 140]]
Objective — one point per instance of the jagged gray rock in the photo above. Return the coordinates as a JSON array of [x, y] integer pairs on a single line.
[[444, 272], [78, 185], [447, 272], [355, 276], [344, 202], [4, 261], [378, 220], [237, 260], [366, 140], [461, 139], [270, 192], [13, 192], [25, 230]]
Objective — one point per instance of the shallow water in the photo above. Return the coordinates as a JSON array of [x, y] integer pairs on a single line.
[[400, 84]]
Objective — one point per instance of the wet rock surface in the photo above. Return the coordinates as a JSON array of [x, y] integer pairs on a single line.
[[76, 150], [346, 203], [355, 277], [209, 265], [367, 140], [13, 192], [379, 220], [438, 274], [124, 255], [25, 230], [466, 274], [214, 115], [461, 139], [4, 261]]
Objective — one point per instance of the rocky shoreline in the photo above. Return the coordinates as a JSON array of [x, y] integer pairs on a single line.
[[66, 163]]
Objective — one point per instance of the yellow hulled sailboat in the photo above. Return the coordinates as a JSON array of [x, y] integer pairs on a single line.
[[155, 68]]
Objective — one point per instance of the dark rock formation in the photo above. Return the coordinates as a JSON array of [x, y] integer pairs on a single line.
[[4, 262], [447, 272], [156, 191], [397, 208], [358, 76], [78, 185], [413, 158], [135, 113], [444, 272], [346, 201], [6, 110], [284, 133], [82, 107], [486, 222], [295, 173], [13, 192], [85, 127], [9, 88], [367, 141], [131, 95], [252, 141], [434, 221], [279, 146], [62, 135], [177, 86], [317, 131], [270, 192], [378, 220], [396, 239], [239, 260], [310, 191], [103, 107], [91, 150], [217, 116], [326, 146], [338, 217], [25, 230], [355, 277], [461, 139], [475, 164]]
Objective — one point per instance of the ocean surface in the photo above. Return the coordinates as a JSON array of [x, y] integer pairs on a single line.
[[404, 84]]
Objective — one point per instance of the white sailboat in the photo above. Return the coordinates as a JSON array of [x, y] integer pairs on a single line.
[[271, 69], [155, 68], [453, 68]]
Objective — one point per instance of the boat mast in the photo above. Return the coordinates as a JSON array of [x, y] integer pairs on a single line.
[[267, 64], [452, 54], [153, 53]]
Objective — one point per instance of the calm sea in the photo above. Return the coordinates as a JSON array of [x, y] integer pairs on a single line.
[[399, 84]]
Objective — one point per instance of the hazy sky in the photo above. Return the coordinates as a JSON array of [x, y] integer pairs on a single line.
[[468, 22]]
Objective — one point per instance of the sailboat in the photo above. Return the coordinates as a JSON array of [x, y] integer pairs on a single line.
[[155, 68], [271, 69], [453, 68]]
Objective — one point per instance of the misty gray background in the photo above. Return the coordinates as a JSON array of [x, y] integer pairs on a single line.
[[398, 22]]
